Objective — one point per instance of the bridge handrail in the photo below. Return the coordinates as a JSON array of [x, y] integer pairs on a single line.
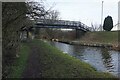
[[78, 24]]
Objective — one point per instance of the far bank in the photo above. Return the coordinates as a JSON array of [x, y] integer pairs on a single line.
[[108, 39]]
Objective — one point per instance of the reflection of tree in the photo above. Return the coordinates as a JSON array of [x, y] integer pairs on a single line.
[[106, 58]]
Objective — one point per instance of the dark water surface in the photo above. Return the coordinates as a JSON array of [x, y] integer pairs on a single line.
[[100, 58]]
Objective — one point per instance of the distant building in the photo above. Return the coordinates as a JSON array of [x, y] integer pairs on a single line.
[[119, 15]]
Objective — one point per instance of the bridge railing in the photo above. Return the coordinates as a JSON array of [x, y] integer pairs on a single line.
[[76, 24]]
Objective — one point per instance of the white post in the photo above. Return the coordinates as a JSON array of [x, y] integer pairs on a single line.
[[102, 17], [119, 15]]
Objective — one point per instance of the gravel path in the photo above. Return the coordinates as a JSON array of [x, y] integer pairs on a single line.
[[33, 68]]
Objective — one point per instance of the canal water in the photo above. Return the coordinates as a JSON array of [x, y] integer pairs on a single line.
[[102, 59]]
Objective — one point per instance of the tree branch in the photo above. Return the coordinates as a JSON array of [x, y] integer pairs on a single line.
[[12, 20]]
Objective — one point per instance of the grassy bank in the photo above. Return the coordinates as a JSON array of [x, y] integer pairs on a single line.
[[101, 37], [105, 38], [58, 64], [55, 64]]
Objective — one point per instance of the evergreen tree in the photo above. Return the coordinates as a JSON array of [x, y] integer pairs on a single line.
[[108, 23]]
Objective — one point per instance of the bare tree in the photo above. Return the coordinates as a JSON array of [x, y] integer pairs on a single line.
[[51, 18], [16, 15], [37, 13], [94, 27]]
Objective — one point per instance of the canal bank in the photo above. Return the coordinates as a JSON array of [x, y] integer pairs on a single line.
[[102, 59], [97, 39], [51, 63]]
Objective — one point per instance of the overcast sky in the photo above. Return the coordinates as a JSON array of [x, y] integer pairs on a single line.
[[86, 11]]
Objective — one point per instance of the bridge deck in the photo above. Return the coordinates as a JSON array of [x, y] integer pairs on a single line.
[[62, 24]]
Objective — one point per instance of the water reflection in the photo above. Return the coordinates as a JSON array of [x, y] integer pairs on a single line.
[[106, 57], [64, 47], [102, 59], [119, 65]]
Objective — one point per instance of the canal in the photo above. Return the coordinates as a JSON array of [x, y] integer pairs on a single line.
[[100, 58]]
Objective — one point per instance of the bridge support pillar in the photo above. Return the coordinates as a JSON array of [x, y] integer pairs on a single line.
[[79, 33]]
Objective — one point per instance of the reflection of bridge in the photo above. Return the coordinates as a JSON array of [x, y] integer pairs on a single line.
[[62, 24]]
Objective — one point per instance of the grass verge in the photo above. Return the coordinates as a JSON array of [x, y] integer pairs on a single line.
[[20, 63], [107, 37]]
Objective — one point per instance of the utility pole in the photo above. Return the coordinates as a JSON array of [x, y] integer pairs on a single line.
[[102, 16]]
